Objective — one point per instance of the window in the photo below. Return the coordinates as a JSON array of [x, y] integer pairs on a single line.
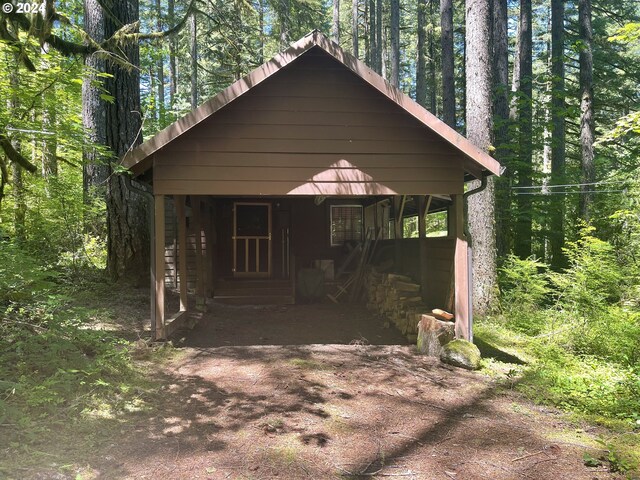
[[346, 223]]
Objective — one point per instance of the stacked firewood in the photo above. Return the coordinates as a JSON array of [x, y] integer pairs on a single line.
[[398, 300]]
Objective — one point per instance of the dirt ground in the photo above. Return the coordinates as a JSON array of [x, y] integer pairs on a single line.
[[327, 392]]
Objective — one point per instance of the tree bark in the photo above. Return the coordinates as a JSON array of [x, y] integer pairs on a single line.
[[395, 42], [50, 142], [525, 119], [448, 79], [432, 63], [335, 28], [558, 133], [173, 79], [19, 203], [193, 43], [373, 44], [354, 27], [481, 206], [284, 24], [421, 64], [587, 166], [127, 223], [96, 168], [379, 42], [160, 68], [500, 43]]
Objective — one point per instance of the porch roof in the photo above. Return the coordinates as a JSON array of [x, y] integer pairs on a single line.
[[475, 161]]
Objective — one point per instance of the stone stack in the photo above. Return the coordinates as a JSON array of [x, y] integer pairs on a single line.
[[397, 299]]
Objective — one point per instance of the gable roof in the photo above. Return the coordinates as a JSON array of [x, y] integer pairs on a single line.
[[476, 162]]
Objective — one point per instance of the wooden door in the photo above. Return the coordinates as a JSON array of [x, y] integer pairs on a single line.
[[251, 239]]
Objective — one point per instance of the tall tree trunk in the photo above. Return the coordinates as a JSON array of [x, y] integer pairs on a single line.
[[379, 41], [49, 145], [432, 62], [19, 203], [354, 27], [193, 42], [500, 43], [448, 78], [421, 64], [160, 68], [525, 120], [395, 42], [587, 166], [128, 231], [335, 26], [481, 206], [172, 56], [373, 44], [284, 24], [558, 129], [96, 168]]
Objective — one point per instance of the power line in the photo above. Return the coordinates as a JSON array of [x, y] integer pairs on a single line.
[[604, 182], [568, 192]]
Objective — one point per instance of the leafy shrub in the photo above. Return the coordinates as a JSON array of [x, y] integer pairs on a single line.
[[21, 276], [585, 385], [524, 288], [593, 279]]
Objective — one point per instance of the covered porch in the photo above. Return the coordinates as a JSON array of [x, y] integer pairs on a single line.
[[289, 168]]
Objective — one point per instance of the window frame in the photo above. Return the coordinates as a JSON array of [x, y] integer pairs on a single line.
[[331, 237]]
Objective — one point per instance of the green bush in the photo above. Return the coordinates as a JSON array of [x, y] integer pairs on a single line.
[[22, 277], [524, 288], [593, 280]]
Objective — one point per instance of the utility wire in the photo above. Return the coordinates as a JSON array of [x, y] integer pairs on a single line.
[[563, 193], [604, 182]]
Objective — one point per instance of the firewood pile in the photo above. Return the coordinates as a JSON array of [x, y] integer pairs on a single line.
[[397, 298]]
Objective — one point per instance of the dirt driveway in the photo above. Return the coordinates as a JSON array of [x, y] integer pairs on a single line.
[[326, 411]]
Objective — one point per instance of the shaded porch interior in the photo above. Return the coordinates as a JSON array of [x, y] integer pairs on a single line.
[[207, 257]]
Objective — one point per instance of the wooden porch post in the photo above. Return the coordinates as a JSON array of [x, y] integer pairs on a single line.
[[200, 280], [182, 250], [160, 265], [423, 204], [398, 210], [461, 271]]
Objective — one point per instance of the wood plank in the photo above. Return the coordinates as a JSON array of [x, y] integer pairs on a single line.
[[314, 104], [182, 250], [238, 116], [308, 145], [389, 133], [423, 206], [308, 160], [461, 280], [304, 174], [160, 266], [197, 225], [255, 188]]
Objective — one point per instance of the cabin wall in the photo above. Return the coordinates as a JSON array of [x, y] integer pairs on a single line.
[[172, 279], [307, 223], [312, 128], [440, 255]]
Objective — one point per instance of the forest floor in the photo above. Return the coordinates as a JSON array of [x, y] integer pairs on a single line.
[[314, 392]]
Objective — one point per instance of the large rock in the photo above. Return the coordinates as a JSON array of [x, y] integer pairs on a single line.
[[433, 335], [461, 353]]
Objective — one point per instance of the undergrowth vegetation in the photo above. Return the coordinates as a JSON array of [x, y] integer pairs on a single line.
[[56, 368], [579, 330]]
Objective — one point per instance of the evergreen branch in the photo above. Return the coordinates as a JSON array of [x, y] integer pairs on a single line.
[[15, 156]]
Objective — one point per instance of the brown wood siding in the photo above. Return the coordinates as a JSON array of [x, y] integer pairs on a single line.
[[170, 244], [172, 280], [440, 254], [312, 128]]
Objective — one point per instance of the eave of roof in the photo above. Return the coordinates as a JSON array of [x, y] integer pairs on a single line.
[[139, 158]]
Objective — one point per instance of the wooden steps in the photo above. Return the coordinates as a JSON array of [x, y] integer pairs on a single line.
[[254, 292]]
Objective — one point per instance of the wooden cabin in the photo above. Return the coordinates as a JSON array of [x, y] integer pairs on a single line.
[[292, 165]]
